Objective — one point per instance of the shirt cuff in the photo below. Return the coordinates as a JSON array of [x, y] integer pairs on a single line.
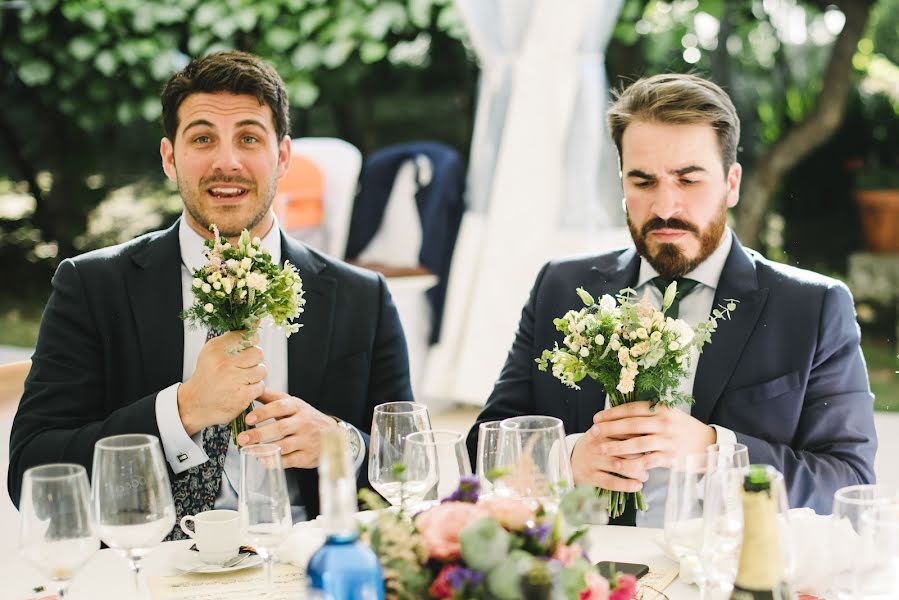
[[181, 450], [570, 441], [724, 435]]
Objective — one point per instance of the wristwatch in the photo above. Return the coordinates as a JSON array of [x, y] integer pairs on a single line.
[[352, 437]]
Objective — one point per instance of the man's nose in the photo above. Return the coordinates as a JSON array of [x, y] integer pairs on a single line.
[[667, 203], [226, 159]]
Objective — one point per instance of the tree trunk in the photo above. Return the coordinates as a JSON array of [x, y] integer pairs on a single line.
[[761, 181]]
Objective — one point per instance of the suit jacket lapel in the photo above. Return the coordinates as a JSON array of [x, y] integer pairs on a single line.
[[154, 289], [718, 361], [308, 349]]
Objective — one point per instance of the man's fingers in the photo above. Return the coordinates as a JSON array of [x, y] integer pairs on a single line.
[[278, 408], [268, 396], [630, 427], [612, 482], [248, 357], [635, 445], [624, 411]]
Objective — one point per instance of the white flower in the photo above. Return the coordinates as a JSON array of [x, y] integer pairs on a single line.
[[256, 241], [585, 352], [241, 283], [585, 296], [246, 263], [674, 346], [208, 307], [599, 340], [228, 284], [625, 386], [614, 345], [655, 336], [232, 264], [642, 334], [197, 282], [607, 303], [257, 281], [623, 356], [206, 288], [217, 285], [251, 252]]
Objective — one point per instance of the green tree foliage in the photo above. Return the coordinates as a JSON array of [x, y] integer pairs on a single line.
[[81, 80]]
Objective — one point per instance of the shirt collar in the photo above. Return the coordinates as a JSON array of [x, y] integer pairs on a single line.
[[192, 245], [708, 272]]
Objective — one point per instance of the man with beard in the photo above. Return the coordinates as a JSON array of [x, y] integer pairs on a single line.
[[785, 376], [113, 357]]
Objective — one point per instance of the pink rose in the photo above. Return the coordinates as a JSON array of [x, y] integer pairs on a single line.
[[625, 588], [567, 554], [440, 527], [513, 514], [597, 587]]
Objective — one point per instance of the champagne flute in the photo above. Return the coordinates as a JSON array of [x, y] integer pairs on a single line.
[[849, 503], [487, 465], [535, 458], [132, 496], [436, 461], [391, 424], [263, 502], [57, 533]]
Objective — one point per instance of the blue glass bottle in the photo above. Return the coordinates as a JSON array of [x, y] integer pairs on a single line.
[[344, 568]]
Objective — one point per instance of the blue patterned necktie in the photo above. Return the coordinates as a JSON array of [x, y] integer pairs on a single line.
[[196, 489]]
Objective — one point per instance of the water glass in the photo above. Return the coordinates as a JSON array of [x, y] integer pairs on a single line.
[[391, 424], [535, 460], [876, 574], [132, 497], [436, 460], [487, 461], [849, 504], [57, 532], [683, 513], [263, 505]]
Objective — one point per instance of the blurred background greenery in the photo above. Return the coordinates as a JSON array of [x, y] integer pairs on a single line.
[[816, 84]]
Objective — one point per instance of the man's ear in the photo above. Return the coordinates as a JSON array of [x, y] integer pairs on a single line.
[[167, 152], [734, 175], [285, 151]]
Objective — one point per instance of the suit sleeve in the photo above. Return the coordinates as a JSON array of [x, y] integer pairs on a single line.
[[513, 393], [63, 409], [835, 441]]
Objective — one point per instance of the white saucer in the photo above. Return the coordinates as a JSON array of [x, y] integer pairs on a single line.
[[188, 561]]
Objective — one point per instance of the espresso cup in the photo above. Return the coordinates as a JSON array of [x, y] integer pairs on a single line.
[[216, 533]]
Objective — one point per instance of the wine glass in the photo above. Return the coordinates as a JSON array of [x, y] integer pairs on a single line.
[[487, 465], [392, 422], [722, 512], [132, 496], [263, 503], [57, 533], [876, 574], [535, 460], [683, 513], [436, 460], [849, 503]]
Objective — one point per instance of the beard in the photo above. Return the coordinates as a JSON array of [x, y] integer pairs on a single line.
[[669, 260], [234, 220]]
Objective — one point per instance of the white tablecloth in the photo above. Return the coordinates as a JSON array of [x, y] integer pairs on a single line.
[[107, 576]]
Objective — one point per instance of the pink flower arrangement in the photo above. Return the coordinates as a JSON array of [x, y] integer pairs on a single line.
[[440, 527]]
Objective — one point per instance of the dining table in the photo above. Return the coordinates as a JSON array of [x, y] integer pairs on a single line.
[[106, 576]]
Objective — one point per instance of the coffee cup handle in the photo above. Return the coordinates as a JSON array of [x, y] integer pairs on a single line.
[[184, 521]]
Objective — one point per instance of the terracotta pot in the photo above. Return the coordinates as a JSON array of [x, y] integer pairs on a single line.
[[879, 210]]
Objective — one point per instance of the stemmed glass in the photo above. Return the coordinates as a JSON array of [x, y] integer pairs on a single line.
[[683, 513], [487, 462], [876, 575], [849, 504], [436, 460], [722, 512], [392, 423], [263, 503], [57, 533], [534, 457], [132, 496]]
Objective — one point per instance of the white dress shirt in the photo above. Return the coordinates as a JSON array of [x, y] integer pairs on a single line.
[[695, 307], [183, 451]]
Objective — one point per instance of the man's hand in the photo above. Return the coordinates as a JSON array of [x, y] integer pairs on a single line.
[[297, 428], [222, 384], [658, 434], [592, 467]]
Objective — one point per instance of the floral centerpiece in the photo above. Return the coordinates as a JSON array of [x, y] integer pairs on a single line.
[[496, 548], [633, 350], [237, 288]]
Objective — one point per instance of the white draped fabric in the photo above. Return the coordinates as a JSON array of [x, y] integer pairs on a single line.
[[543, 179]]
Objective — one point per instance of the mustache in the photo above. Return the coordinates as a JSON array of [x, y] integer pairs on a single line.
[[208, 181], [659, 223]]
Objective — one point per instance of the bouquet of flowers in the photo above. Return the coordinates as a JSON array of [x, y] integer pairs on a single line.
[[633, 350], [237, 288], [497, 548]]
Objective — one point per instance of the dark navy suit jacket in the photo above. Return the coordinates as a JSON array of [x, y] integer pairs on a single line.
[[110, 339], [786, 374]]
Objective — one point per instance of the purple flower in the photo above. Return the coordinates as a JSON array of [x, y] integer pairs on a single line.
[[460, 577], [540, 533], [467, 491]]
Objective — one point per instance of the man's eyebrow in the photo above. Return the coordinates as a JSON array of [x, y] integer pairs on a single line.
[[689, 169], [251, 122], [640, 174], [198, 123]]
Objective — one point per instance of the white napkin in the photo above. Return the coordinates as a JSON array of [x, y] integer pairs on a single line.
[[822, 546], [308, 536]]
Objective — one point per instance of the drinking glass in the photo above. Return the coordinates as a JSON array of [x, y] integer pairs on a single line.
[[436, 460], [57, 532], [487, 461], [722, 512], [263, 504], [849, 503], [876, 575], [683, 513], [534, 456], [392, 423], [132, 497]]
